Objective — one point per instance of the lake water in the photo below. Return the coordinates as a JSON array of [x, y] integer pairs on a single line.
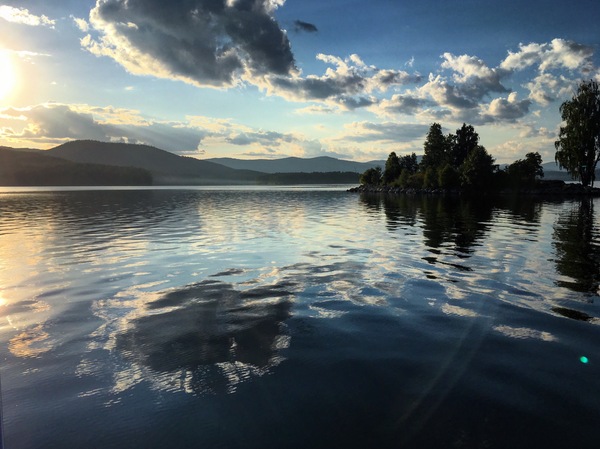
[[297, 319]]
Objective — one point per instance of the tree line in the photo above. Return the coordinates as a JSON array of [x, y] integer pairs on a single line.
[[454, 161], [459, 161]]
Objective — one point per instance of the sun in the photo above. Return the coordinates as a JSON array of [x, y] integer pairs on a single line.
[[7, 75]]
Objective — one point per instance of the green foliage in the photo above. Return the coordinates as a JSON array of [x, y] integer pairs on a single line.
[[371, 177], [392, 168], [402, 180], [464, 142], [436, 148], [448, 177], [578, 144], [430, 179], [409, 163], [477, 170], [524, 172], [395, 167], [416, 180]]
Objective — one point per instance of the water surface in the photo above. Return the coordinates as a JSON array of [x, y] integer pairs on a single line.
[[297, 318]]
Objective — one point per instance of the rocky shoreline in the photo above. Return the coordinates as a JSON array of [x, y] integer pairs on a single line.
[[552, 188]]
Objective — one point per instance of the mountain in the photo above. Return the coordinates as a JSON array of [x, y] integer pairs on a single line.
[[297, 165], [166, 168], [36, 168]]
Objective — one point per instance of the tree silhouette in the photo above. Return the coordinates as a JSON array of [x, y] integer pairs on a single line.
[[578, 144]]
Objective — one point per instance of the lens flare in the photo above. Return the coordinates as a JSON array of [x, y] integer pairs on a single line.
[[583, 359]]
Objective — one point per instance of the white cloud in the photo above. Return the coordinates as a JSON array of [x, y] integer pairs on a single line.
[[22, 16], [546, 88], [82, 24], [557, 54], [508, 109], [54, 123], [349, 84]]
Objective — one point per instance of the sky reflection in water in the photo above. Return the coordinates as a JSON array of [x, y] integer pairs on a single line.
[[427, 322]]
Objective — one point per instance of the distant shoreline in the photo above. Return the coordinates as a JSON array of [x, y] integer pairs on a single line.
[[553, 188]]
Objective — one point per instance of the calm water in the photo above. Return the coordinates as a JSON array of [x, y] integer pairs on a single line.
[[297, 319]]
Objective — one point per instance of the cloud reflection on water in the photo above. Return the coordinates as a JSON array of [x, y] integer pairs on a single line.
[[204, 337]]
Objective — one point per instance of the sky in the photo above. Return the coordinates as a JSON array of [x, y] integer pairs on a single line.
[[352, 79]]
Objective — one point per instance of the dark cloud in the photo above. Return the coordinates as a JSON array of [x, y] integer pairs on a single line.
[[405, 104], [261, 137], [348, 85], [206, 42], [299, 25]]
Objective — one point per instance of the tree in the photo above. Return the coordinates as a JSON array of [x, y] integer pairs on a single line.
[[463, 143], [578, 144], [409, 163], [478, 169], [525, 172], [392, 168], [436, 148], [371, 176]]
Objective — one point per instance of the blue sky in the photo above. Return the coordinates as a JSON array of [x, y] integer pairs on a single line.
[[276, 78]]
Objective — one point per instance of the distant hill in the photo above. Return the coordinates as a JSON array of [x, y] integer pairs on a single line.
[[297, 165], [36, 168], [166, 168], [551, 171]]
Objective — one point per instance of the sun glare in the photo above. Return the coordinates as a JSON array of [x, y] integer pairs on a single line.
[[7, 75]]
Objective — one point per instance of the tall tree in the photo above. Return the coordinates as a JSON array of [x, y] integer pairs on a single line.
[[578, 144], [463, 143], [478, 169], [436, 148], [392, 168], [409, 163]]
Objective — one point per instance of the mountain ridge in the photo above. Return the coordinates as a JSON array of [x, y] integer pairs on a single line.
[[320, 164], [167, 168]]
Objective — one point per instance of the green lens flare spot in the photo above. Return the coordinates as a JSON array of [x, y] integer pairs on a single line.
[[583, 359]]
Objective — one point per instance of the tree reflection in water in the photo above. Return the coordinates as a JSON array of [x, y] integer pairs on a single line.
[[447, 221], [577, 247]]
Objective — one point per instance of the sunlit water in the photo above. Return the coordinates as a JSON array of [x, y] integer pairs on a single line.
[[297, 319]]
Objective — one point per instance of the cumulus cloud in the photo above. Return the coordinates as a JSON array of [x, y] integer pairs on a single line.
[[22, 16], [508, 109], [202, 42], [557, 54], [546, 88], [347, 84], [474, 78], [407, 104]]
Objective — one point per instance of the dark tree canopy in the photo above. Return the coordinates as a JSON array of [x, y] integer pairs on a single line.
[[371, 176], [578, 144], [477, 169], [524, 172], [436, 148], [409, 163], [392, 168], [463, 143]]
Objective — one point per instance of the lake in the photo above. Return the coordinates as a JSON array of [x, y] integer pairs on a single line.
[[297, 318]]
